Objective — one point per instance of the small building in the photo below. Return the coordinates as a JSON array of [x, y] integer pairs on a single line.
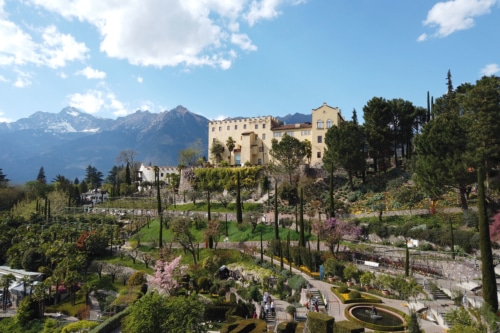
[[224, 272]]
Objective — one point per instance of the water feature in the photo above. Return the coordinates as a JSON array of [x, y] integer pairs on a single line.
[[383, 317]]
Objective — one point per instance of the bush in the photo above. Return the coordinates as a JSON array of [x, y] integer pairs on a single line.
[[342, 289], [79, 326], [354, 294], [319, 322], [137, 279]]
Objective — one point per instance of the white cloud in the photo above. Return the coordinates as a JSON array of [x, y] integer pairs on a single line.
[[54, 49], [91, 73], [162, 33], [62, 75], [98, 101], [243, 41], [3, 79], [455, 15], [23, 79], [490, 69], [91, 102], [140, 79], [4, 119], [422, 37]]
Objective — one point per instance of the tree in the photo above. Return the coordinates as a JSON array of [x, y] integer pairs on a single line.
[[289, 153], [41, 176], [336, 230], [182, 234], [3, 179], [239, 213], [441, 160], [344, 148], [190, 155], [377, 118], [93, 177], [164, 277], [302, 238], [487, 267], [5, 282], [213, 232], [156, 313], [127, 157], [216, 150], [230, 144], [158, 201]]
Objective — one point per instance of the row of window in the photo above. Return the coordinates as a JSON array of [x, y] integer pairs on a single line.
[[291, 133], [228, 127], [320, 123]]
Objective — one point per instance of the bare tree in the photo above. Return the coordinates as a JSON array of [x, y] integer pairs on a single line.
[[113, 271]]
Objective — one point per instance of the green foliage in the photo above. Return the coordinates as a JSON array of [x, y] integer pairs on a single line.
[[346, 326], [10, 325], [319, 322], [138, 278], [354, 294], [297, 282], [79, 326]]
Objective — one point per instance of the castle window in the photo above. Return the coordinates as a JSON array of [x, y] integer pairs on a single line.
[[220, 128], [329, 123], [244, 126], [320, 124], [228, 127], [256, 126], [320, 139], [235, 127], [263, 125], [318, 154], [264, 136], [213, 129]]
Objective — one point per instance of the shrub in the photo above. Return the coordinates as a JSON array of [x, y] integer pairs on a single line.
[[137, 279], [342, 289], [354, 294]]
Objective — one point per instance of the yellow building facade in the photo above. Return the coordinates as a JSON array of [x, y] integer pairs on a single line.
[[253, 136]]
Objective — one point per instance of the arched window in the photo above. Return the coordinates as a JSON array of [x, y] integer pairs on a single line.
[[329, 123], [320, 123]]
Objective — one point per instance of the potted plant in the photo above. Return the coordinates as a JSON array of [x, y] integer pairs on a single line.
[[331, 267], [291, 310], [366, 279], [350, 272]]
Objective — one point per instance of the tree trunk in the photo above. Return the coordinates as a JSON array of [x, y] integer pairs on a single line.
[[487, 267]]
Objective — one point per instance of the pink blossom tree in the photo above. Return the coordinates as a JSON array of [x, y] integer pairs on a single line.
[[495, 228], [337, 230], [164, 278]]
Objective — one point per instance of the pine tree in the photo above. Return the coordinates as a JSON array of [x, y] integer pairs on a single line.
[[41, 176], [276, 212], [302, 239]]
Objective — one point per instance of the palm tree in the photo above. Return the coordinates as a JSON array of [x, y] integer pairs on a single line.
[[5, 283], [230, 144]]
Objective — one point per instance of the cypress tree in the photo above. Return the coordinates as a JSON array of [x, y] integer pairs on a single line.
[[276, 212], [487, 267], [302, 239], [158, 198], [239, 213], [331, 206]]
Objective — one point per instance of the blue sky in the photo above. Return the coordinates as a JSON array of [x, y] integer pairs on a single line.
[[228, 58]]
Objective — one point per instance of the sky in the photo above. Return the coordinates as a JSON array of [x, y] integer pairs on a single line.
[[238, 58]]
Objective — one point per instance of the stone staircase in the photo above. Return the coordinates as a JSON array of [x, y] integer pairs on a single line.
[[317, 295]]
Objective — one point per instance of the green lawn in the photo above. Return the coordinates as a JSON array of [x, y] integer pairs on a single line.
[[236, 233]]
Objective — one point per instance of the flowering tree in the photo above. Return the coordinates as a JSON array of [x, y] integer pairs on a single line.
[[321, 229], [164, 278], [495, 228], [336, 230]]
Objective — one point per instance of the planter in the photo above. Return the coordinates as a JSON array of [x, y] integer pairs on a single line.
[[386, 292], [349, 283], [331, 279]]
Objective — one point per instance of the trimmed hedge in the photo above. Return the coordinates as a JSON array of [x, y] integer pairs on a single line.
[[111, 323], [345, 326], [367, 298], [245, 326], [320, 323], [286, 327]]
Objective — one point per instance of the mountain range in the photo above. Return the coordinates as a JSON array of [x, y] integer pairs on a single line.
[[67, 142]]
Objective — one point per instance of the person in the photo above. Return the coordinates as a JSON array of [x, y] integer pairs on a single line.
[[255, 315], [272, 308], [374, 310], [266, 308], [316, 304]]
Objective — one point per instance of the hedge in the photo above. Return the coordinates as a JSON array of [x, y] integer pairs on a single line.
[[345, 326], [245, 326], [111, 323], [319, 322], [366, 298]]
